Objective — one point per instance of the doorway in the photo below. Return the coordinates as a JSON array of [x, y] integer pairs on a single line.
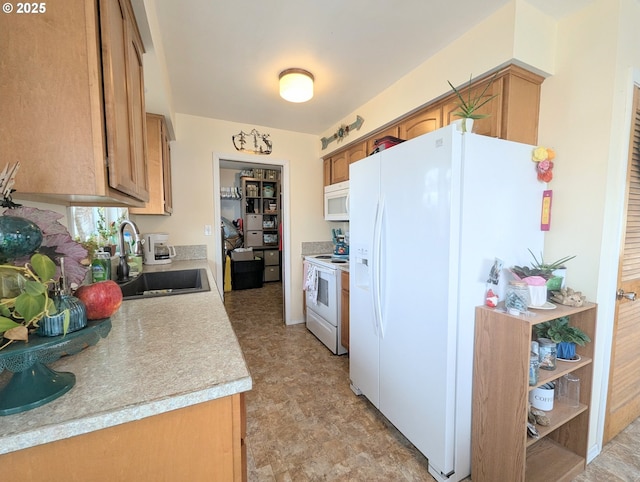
[[623, 397], [239, 163]]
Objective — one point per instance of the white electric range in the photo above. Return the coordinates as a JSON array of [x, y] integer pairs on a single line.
[[323, 303]]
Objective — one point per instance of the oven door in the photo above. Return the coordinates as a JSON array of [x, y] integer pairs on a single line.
[[326, 304], [326, 333]]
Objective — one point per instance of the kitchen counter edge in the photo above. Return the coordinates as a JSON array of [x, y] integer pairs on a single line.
[[144, 367]]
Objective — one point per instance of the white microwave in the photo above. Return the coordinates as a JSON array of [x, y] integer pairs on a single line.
[[336, 202]]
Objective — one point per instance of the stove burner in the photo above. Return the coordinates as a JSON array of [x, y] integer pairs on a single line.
[[323, 256], [338, 261]]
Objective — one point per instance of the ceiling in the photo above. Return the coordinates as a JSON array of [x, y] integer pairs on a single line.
[[223, 57]]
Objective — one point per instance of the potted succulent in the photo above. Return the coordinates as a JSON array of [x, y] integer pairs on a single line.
[[469, 104], [566, 336], [549, 271]]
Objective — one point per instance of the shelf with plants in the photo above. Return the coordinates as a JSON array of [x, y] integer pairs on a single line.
[[501, 449]]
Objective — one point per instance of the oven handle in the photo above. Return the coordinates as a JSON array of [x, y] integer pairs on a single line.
[[330, 272]]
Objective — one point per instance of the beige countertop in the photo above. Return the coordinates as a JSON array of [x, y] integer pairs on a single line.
[[162, 354]]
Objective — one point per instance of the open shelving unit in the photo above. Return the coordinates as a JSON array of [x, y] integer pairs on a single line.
[[500, 447], [261, 215]]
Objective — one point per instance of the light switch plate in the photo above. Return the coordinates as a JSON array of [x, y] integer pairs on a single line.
[[207, 230]]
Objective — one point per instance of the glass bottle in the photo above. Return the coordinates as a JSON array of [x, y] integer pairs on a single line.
[[547, 354], [534, 364]]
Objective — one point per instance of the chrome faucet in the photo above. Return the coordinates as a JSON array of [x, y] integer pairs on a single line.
[[123, 266]]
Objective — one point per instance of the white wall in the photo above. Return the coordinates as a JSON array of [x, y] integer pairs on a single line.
[[585, 116], [197, 138]]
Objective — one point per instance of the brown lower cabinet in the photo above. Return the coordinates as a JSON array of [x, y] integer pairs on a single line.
[[344, 309], [199, 442]]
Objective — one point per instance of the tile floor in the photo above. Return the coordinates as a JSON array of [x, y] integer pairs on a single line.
[[305, 424]]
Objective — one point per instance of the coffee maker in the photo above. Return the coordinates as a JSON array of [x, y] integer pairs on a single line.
[[157, 250]]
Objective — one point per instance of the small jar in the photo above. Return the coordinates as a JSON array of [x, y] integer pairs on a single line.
[[534, 365], [547, 354], [517, 296]]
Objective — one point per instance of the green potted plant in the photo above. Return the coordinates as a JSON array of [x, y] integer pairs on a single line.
[[469, 104], [566, 336], [29, 302], [548, 271]]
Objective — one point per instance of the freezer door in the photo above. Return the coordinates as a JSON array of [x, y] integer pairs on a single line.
[[418, 342], [363, 332]]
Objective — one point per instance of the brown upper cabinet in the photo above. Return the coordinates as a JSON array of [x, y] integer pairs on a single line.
[[73, 104], [159, 166], [392, 131], [424, 121], [512, 114], [339, 163]]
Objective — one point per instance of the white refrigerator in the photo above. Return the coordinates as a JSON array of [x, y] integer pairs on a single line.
[[428, 217]]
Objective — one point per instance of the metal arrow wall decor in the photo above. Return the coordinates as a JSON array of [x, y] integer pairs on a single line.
[[342, 132]]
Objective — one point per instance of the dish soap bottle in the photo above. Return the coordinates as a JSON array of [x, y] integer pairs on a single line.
[[101, 267]]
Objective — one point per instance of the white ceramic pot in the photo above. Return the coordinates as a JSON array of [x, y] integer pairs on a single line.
[[464, 125]]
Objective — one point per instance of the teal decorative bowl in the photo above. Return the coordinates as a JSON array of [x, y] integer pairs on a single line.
[[18, 237]]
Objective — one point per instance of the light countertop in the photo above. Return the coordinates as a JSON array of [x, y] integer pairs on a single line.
[[162, 354]]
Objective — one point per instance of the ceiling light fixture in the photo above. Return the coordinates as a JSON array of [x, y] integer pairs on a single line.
[[296, 85]]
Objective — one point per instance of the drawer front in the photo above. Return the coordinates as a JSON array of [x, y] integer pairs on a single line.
[[271, 273], [254, 222], [253, 238], [271, 257]]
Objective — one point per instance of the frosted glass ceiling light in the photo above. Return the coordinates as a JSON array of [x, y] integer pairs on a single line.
[[296, 85]]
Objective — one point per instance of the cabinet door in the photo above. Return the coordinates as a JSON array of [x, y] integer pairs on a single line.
[[421, 123], [339, 167], [327, 171], [123, 87], [390, 131], [489, 126], [357, 152], [158, 167]]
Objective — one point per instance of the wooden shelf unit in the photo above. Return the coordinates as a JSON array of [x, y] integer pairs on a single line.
[[500, 447]]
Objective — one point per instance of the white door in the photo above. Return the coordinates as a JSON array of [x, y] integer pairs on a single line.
[[417, 348], [363, 330]]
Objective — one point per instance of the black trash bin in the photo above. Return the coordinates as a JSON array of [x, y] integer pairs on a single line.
[[247, 274]]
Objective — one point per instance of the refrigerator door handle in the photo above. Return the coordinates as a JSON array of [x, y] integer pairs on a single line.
[[377, 257]]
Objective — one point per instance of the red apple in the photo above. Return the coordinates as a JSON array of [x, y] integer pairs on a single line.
[[102, 299]]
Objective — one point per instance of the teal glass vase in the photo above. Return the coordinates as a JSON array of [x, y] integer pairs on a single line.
[[18, 237], [54, 325]]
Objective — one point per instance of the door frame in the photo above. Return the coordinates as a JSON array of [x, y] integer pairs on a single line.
[[286, 215], [611, 247]]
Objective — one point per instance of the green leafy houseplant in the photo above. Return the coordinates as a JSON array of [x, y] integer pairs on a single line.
[[559, 331], [540, 267], [469, 104], [31, 302]]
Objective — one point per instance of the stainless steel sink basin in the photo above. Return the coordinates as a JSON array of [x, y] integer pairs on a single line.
[[165, 283]]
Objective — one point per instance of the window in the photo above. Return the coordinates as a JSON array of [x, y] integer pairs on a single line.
[[99, 223]]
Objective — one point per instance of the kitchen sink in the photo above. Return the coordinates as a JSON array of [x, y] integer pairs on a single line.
[[165, 283]]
